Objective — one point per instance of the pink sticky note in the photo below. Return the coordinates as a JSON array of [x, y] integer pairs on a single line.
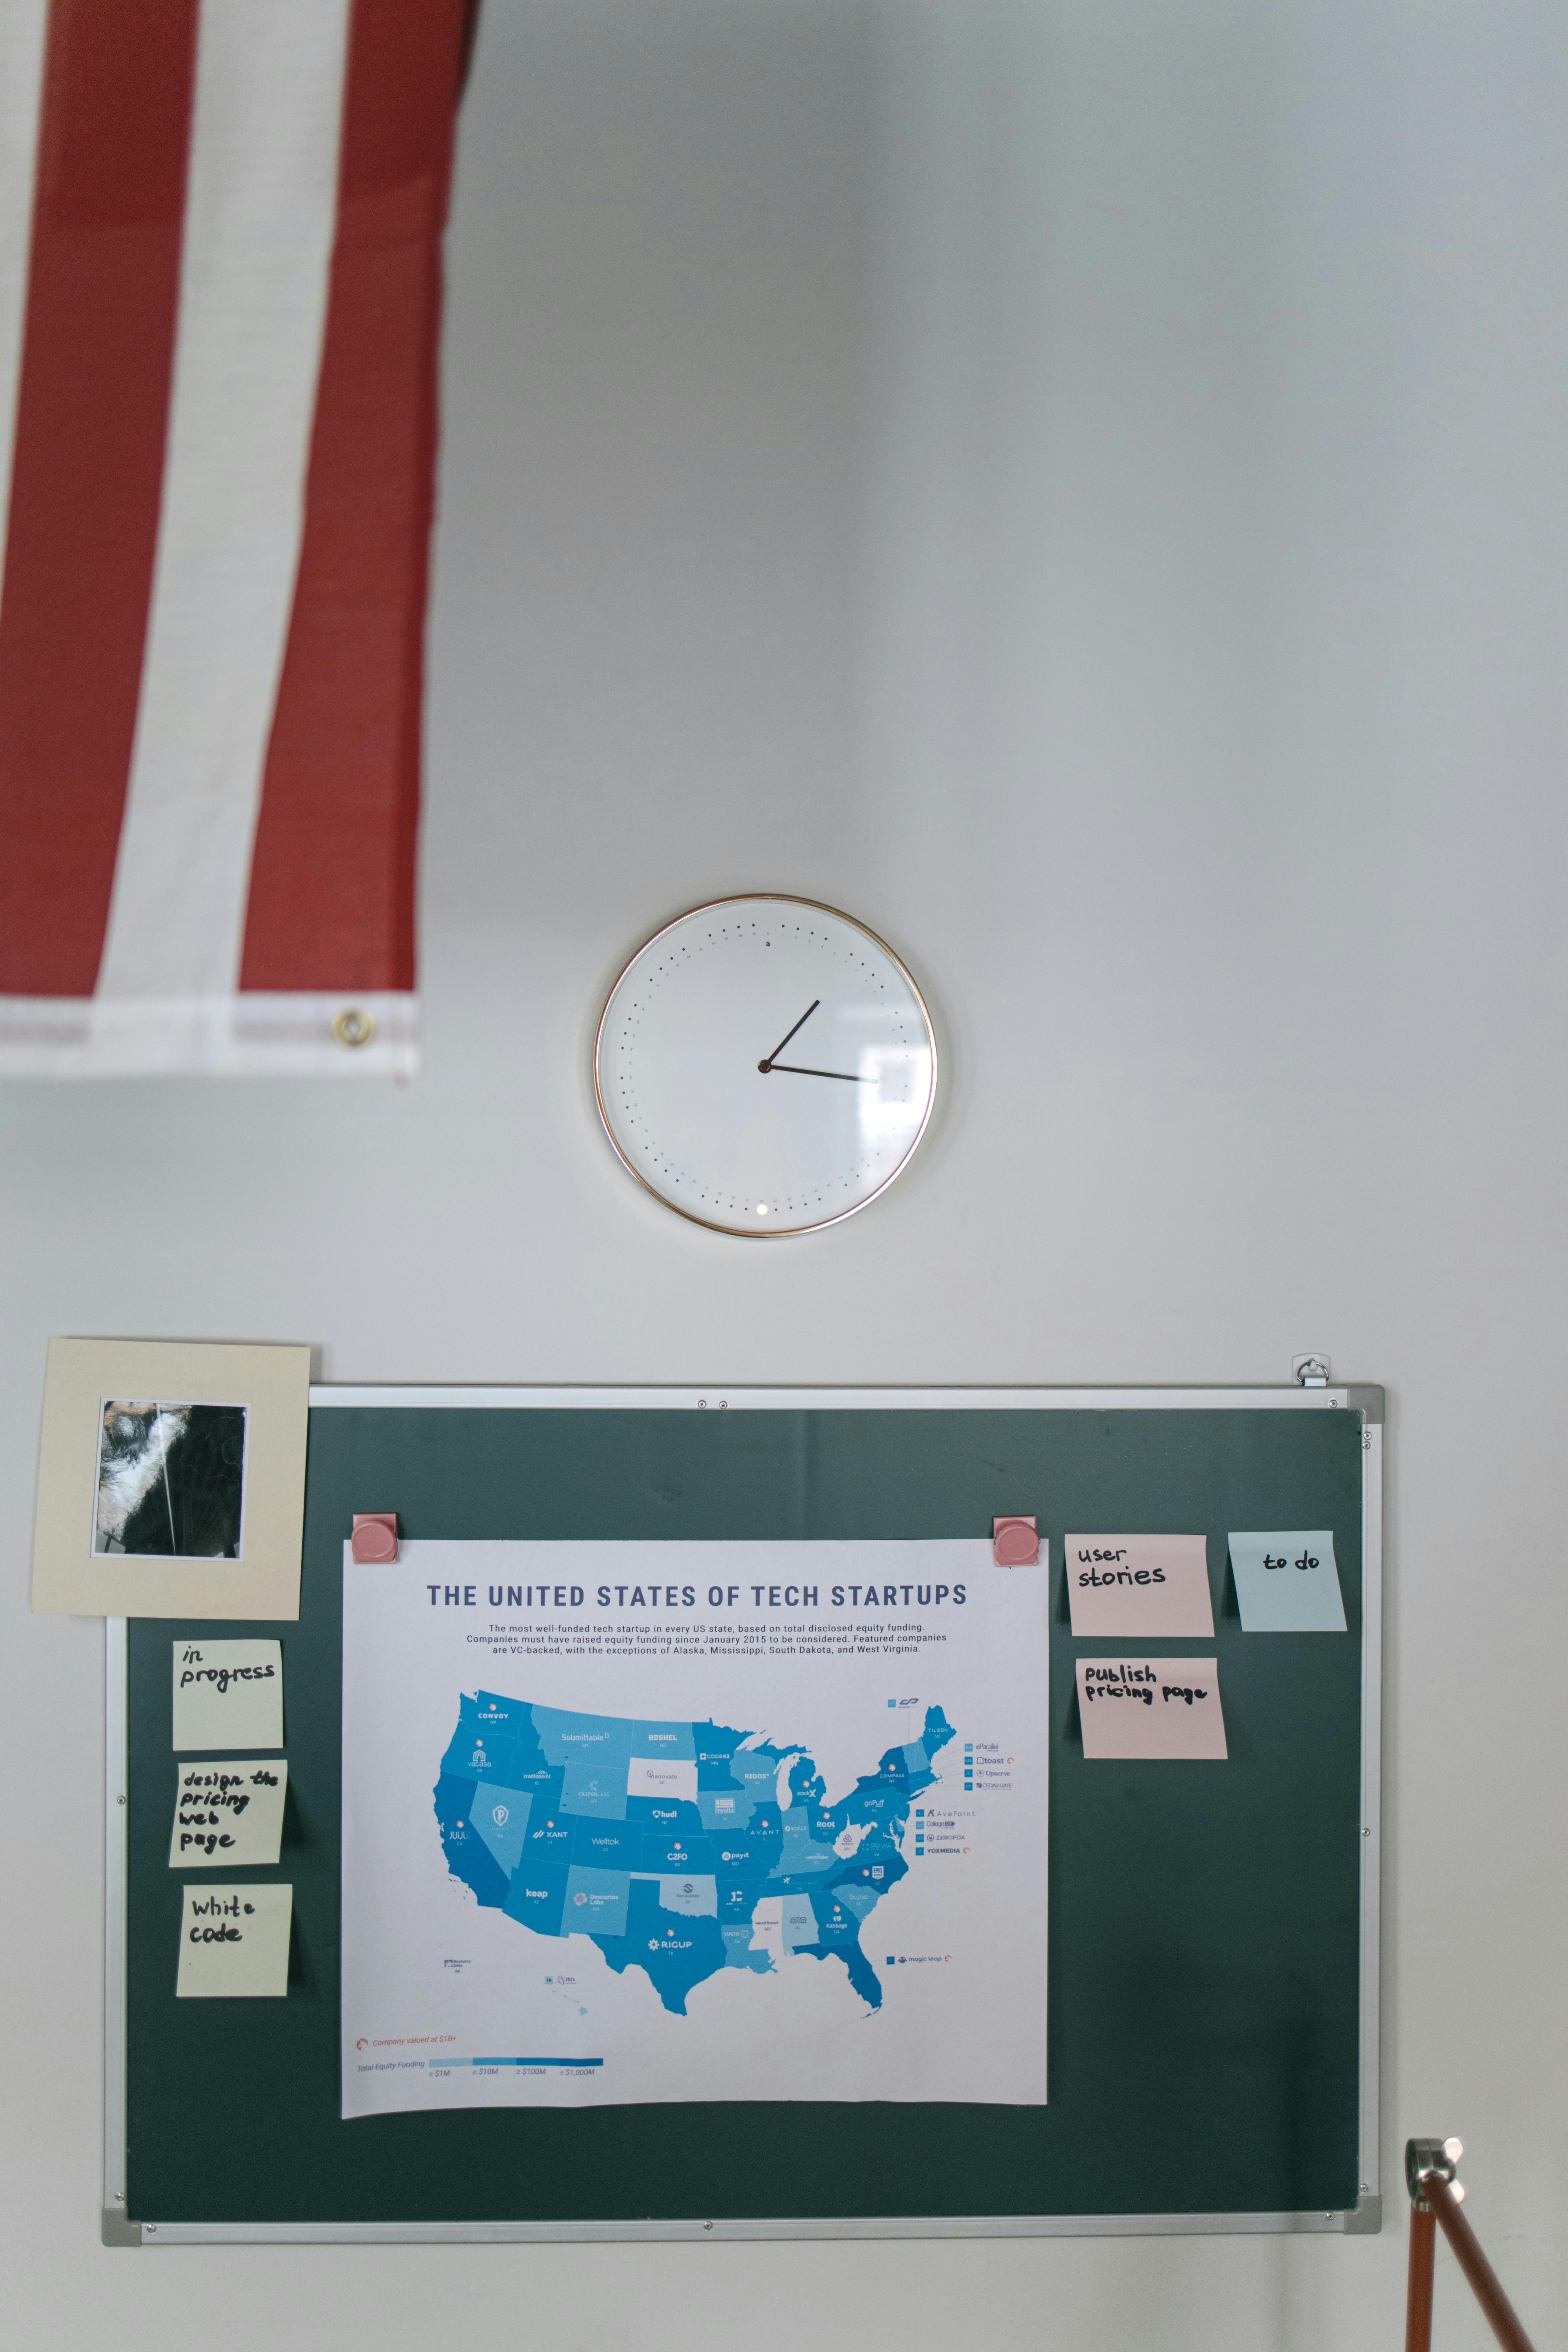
[[1151, 1585], [1015, 1542], [1157, 1708], [374, 1536]]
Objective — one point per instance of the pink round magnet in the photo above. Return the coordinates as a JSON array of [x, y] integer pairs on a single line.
[[1014, 1543], [374, 1536]]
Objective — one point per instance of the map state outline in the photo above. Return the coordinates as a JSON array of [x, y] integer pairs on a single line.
[[554, 1818]]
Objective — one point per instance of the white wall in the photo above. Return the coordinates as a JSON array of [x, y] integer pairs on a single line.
[[1080, 483]]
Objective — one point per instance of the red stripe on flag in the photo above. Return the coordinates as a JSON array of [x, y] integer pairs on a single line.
[[331, 885], [87, 473]]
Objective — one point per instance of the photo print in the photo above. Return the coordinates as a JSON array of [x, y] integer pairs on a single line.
[[171, 1480]]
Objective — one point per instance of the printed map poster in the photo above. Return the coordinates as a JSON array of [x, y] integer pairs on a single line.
[[654, 1822]]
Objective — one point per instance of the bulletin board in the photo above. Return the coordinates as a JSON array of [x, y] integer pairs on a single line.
[[1213, 1953]]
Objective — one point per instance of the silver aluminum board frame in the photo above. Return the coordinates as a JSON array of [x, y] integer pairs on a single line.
[[120, 2230]]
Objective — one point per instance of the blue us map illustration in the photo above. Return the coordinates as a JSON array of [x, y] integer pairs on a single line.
[[659, 1841]]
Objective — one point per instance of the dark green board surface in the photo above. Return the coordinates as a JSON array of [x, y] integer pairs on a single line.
[[1203, 1916]]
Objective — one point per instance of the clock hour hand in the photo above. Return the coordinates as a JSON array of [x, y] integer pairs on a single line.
[[766, 1065], [798, 1070]]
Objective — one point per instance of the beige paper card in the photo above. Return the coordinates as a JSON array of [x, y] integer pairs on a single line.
[[1155, 1586], [1157, 1707], [228, 1695], [229, 1813], [234, 1943], [171, 1480]]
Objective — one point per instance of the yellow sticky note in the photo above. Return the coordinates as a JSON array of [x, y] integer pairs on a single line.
[[229, 1693], [234, 1943], [229, 1813]]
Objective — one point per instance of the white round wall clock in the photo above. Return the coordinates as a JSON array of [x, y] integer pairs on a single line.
[[765, 1065]]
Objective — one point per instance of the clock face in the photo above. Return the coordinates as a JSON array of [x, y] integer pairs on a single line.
[[765, 1065]]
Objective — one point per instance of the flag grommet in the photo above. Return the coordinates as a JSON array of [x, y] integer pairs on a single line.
[[353, 1026]]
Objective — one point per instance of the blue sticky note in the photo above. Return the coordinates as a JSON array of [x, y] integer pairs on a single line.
[[1287, 1581]]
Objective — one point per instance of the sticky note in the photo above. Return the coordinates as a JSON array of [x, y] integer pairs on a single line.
[[1152, 1585], [1287, 1582], [1154, 1707], [228, 1695], [234, 1943], [228, 1814]]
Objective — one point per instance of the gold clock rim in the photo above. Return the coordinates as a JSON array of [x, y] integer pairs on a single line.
[[756, 1232]]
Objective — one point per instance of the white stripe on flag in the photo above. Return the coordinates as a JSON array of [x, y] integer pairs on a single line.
[[213, 1036], [24, 25], [260, 213]]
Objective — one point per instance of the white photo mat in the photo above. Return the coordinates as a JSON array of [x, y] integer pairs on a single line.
[[140, 1396]]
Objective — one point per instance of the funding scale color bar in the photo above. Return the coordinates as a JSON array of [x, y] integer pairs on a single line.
[[517, 2061]]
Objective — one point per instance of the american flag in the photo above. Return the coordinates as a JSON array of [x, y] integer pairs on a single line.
[[220, 226]]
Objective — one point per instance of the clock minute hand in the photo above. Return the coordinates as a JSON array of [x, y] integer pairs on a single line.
[[766, 1065], [798, 1070]]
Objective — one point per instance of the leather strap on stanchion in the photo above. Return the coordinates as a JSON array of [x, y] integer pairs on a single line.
[[1419, 2292]]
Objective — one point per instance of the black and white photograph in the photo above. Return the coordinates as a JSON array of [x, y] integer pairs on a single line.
[[171, 1480]]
